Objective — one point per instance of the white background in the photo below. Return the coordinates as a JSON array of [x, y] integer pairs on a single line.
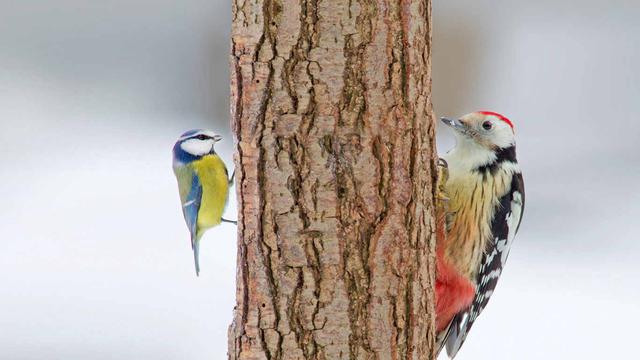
[[95, 259]]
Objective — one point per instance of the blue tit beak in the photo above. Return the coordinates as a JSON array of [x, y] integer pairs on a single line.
[[455, 124], [217, 138]]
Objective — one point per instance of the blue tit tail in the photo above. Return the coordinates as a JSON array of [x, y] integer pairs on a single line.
[[195, 245]]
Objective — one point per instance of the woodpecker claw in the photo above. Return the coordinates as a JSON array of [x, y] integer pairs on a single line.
[[442, 177], [445, 217]]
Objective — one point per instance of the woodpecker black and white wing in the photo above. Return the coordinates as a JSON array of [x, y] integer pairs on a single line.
[[504, 226]]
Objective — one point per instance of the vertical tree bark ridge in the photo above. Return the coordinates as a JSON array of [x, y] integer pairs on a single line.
[[331, 109]]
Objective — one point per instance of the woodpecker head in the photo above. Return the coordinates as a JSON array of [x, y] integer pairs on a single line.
[[486, 129]]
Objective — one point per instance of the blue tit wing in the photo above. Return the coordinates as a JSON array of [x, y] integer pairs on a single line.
[[190, 209], [191, 205], [191, 198], [504, 226]]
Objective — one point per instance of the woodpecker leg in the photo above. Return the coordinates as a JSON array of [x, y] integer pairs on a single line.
[[442, 176], [442, 204]]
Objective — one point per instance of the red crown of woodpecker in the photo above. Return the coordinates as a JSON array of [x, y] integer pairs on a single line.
[[499, 116]]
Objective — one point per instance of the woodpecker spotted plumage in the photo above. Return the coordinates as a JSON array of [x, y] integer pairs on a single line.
[[482, 197]]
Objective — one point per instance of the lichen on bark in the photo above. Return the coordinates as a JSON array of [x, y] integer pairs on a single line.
[[331, 109]]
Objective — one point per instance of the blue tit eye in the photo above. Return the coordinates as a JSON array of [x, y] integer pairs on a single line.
[[487, 125], [201, 137]]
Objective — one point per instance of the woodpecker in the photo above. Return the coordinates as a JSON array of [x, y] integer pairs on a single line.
[[481, 201]]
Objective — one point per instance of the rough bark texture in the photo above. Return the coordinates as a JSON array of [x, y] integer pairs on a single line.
[[331, 108]]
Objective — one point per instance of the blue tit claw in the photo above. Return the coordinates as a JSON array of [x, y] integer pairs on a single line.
[[229, 221], [232, 178]]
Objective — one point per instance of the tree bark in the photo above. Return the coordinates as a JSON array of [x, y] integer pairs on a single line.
[[331, 109]]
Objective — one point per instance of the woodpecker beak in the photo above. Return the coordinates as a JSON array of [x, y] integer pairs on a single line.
[[456, 124]]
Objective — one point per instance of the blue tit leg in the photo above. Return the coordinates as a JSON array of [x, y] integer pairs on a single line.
[[232, 178], [229, 221]]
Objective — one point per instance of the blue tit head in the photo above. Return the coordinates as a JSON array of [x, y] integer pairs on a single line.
[[193, 145]]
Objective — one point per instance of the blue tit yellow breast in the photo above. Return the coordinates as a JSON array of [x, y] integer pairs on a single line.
[[215, 187]]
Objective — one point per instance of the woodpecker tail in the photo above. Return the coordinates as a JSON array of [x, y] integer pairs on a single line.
[[441, 338], [457, 334], [451, 338]]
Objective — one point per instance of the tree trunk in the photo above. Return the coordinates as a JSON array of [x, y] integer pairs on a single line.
[[331, 108]]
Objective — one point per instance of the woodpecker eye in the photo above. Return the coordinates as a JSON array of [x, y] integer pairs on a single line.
[[487, 125]]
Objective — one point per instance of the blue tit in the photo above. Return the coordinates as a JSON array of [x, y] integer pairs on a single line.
[[203, 182]]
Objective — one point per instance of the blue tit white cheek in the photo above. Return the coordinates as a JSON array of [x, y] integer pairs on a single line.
[[197, 147]]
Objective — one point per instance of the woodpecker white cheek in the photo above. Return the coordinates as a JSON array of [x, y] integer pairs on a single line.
[[502, 136]]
